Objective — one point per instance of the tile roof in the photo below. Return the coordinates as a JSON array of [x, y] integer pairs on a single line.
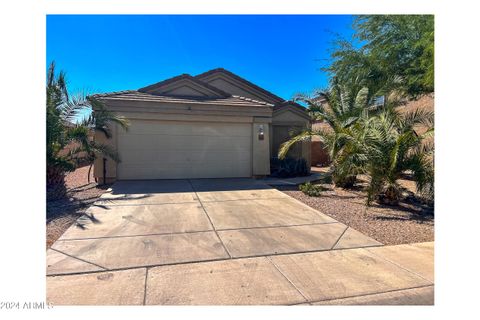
[[134, 95], [245, 81], [291, 103], [225, 98], [181, 77]]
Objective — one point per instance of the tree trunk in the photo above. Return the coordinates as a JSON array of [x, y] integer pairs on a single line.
[[89, 171], [391, 196], [346, 182]]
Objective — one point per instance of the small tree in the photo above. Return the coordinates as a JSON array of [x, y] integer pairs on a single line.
[[340, 109], [62, 109], [386, 47], [393, 148]]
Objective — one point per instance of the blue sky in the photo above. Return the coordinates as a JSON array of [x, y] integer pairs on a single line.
[[281, 53]]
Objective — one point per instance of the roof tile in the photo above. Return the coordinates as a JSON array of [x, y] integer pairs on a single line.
[[133, 95]]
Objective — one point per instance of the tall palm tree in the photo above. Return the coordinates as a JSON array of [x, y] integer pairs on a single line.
[[62, 110]]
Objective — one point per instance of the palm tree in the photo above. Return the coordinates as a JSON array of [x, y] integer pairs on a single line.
[[395, 147], [62, 110], [100, 120], [340, 108]]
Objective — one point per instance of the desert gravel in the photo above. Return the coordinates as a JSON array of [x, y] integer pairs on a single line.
[[61, 214], [410, 222]]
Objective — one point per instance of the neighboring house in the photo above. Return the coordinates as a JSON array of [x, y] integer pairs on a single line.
[[426, 102], [319, 155], [213, 125]]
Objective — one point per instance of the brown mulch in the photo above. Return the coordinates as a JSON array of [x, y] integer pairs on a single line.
[[61, 214], [410, 222]]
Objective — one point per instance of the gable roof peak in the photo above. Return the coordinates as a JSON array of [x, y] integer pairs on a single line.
[[273, 97], [185, 76]]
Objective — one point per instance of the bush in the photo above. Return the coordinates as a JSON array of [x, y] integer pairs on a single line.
[[289, 167], [344, 182], [327, 178], [312, 190]]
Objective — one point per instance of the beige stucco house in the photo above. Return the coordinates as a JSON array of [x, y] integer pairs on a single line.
[[213, 125]]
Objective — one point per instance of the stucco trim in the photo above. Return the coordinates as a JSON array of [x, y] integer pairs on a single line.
[[180, 108], [187, 117], [293, 109], [290, 123]]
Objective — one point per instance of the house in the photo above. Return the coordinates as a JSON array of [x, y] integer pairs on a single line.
[[213, 125]]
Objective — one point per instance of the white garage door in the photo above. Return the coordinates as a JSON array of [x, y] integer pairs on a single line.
[[176, 150]]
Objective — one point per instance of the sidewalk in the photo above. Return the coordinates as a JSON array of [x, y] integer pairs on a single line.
[[292, 181], [391, 275]]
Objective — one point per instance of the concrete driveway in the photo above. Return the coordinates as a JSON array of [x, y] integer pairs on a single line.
[[165, 241]]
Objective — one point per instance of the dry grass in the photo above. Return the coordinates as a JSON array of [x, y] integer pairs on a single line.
[[61, 214]]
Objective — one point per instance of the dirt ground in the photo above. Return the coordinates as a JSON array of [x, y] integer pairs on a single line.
[[410, 222], [61, 214]]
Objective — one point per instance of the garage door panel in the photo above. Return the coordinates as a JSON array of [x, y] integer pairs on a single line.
[[187, 129], [232, 130], [152, 127], [138, 157], [200, 143], [178, 172], [218, 143], [185, 158], [150, 141], [178, 150], [137, 141]]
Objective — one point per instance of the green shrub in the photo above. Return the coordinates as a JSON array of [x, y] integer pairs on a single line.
[[312, 190], [327, 178], [289, 167]]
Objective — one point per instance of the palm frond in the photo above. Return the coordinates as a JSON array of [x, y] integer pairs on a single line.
[[301, 137], [71, 108], [62, 110], [101, 117], [51, 74], [417, 117], [362, 98], [106, 151]]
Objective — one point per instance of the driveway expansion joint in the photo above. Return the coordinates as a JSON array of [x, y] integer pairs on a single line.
[[136, 235], [139, 204], [338, 240], [373, 293], [280, 226], [202, 261], [400, 266], [210, 220], [246, 199], [80, 259], [289, 281], [145, 287]]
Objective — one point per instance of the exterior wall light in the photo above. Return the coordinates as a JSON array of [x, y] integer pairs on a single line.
[[261, 132]]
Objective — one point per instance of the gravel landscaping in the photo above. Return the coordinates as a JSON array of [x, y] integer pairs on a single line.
[[410, 222], [61, 214]]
